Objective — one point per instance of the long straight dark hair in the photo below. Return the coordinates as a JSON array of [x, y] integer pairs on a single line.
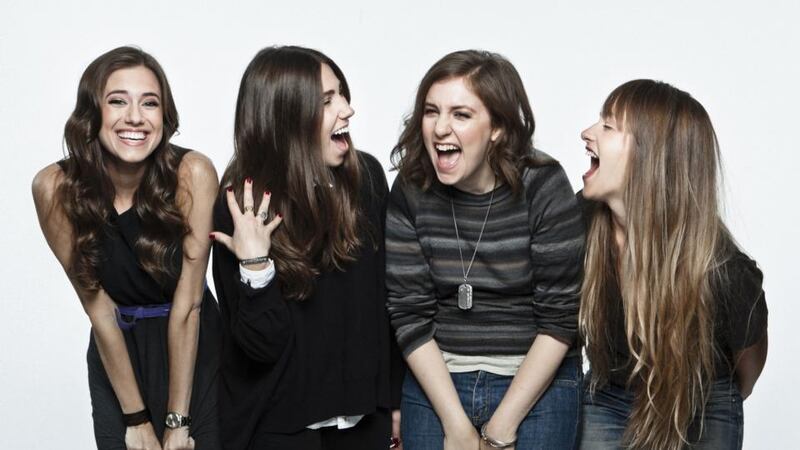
[[278, 120], [496, 82], [87, 193]]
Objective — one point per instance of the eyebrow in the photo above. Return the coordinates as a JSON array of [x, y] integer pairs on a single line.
[[452, 108], [124, 92], [329, 92]]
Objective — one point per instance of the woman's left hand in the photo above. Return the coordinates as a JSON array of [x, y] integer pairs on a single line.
[[396, 431], [178, 439], [494, 430]]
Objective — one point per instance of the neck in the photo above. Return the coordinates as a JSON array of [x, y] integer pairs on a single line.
[[486, 184], [618, 222], [126, 179]]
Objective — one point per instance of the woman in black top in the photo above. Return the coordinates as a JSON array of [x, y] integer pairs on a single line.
[[126, 214], [672, 312], [306, 347]]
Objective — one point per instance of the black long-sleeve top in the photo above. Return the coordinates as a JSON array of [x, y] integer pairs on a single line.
[[287, 364]]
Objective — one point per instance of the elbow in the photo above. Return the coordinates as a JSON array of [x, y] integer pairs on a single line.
[[265, 349]]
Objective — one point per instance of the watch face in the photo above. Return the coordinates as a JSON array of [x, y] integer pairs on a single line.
[[173, 420]]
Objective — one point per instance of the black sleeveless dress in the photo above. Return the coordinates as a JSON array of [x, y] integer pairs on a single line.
[[128, 284]]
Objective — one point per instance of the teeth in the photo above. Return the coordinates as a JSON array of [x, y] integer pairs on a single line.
[[591, 154], [343, 130], [134, 135], [446, 147]]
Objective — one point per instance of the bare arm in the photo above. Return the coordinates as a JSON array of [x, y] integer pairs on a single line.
[[532, 379], [197, 188], [749, 364], [100, 308], [431, 372]]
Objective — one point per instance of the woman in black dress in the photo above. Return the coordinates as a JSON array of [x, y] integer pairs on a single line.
[[300, 272], [127, 215]]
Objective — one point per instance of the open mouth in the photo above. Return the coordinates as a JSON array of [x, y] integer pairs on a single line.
[[447, 155], [339, 137], [594, 163], [132, 137]]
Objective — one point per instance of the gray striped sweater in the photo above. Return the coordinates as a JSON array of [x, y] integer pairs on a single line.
[[526, 276]]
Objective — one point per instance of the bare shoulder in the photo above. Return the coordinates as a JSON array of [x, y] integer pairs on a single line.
[[197, 171], [45, 185], [197, 179]]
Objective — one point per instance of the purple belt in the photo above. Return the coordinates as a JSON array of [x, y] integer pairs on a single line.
[[134, 313]]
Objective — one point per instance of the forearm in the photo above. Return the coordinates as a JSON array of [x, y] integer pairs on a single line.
[[532, 379], [750, 362], [428, 366], [116, 361], [182, 334]]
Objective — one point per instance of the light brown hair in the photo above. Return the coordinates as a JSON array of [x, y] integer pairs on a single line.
[[674, 244]]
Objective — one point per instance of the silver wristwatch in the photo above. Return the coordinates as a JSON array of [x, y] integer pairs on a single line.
[[175, 420]]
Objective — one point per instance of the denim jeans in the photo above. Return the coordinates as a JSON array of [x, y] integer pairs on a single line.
[[552, 424], [606, 413]]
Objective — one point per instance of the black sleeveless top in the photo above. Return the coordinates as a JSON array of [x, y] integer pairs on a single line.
[[120, 273], [128, 284]]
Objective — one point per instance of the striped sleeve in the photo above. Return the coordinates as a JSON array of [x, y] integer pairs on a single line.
[[557, 248], [411, 301]]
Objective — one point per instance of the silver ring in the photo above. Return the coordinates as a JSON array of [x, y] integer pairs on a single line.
[[263, 215], [248, 209]]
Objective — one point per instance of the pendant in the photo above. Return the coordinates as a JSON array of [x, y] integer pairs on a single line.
[[465, 297]]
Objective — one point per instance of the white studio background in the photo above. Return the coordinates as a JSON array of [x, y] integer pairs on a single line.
[[740, 59]]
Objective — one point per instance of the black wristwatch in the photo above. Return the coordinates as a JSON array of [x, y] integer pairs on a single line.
[[175, 420]]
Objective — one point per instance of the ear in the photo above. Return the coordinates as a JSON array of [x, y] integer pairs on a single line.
[[496, 133]]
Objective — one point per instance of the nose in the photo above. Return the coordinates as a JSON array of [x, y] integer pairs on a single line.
[[347, 111], [586, 135], [133, 115], [442, 126]]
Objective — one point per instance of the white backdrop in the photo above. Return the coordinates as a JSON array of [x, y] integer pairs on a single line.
[[738, 58]]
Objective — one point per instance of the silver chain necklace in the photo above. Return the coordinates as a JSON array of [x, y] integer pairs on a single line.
[[465, 289]]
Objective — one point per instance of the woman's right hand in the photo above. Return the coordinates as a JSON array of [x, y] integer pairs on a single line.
[[465, 438], [252, 235], [141, 437]]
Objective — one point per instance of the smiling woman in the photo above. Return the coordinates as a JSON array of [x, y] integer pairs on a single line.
[[299, 267], [126, 215], [484, 243]]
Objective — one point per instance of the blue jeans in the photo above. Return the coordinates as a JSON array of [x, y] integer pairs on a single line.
[[605, 415], [552, 424]]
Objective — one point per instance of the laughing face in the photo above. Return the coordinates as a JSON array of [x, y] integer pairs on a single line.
[[608, 147], [335, 131], [132, 117], [457, 131]]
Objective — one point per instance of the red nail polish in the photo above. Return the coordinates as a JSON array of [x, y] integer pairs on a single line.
[[230, 189], [267, 193], [249, 180], [211, 236], [280, 215]]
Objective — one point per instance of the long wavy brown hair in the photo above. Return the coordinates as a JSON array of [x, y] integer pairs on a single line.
[[277, 127], [87, 193], [495, 81], [675, 242]]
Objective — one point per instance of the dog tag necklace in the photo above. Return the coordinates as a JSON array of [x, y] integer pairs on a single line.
[[465, 289]]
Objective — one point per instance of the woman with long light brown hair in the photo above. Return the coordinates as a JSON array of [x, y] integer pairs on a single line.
[[673, 313]]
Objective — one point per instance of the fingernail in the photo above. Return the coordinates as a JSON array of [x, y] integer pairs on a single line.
[[230, 189], [211, 236], [248, 180], [267, 193], [280, 215]]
